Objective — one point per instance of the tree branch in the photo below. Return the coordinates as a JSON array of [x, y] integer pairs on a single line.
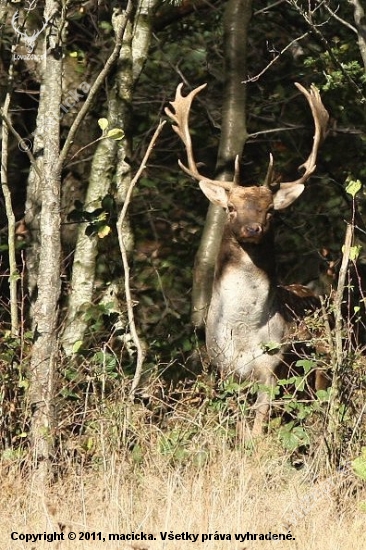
[[275, 59], [129, 302]]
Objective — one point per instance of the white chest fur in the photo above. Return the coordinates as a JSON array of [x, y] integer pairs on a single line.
[[243, 320]]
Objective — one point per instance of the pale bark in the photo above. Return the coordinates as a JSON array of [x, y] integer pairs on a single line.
[[34, 200], [47, 276], [360, 21], [233, 137], [110, 167], [83, 272]]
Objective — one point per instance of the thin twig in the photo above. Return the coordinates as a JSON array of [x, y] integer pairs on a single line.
[[359, 15], [316, 32], [338, 318], [24, 146], [97, 84], [276, 58], [342, 21], [269, 8], [129, 302], [334, 403]]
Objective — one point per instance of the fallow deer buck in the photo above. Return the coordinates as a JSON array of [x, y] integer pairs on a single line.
[[248, 309]]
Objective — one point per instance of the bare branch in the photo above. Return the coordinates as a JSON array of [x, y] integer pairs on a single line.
[[129, 302], [275, 59], [308, 17], [21, 142], [335, 16]]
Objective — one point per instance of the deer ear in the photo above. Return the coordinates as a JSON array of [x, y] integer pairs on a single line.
[[214, 193], [287, 194]]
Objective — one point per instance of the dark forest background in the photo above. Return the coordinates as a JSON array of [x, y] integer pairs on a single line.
[[57, 383]]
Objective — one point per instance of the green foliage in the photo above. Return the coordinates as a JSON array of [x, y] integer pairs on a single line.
[[175, 444], [14, 384], [353, 187], [167, 215], [359, 465], [337, 76], [98, 217], [293, 437]]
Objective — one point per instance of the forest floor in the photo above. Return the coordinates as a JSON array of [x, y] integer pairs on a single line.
[[233, 500]]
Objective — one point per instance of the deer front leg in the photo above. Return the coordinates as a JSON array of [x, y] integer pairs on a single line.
[[262, 406]]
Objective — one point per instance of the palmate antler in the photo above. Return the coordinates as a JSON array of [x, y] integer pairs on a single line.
[[320, 117], [182, 107], [180, 117]]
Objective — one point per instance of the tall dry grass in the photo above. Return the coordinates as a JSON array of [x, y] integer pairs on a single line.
[[232, 492]]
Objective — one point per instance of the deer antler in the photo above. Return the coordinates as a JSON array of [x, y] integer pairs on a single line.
[[182, 107], [321, 117]]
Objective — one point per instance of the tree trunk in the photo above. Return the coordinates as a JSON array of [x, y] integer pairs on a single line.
[[110, 164], [47, 276], [233, 137], [360, 20]]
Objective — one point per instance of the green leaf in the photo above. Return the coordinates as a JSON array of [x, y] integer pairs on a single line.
[[293, 437], [359, 465], [354, 252], [270, 347], [104, 231], [353, 187], [116, 134], [323, 395], [103, 124], [306, 364], [77, 345], [187, 345]]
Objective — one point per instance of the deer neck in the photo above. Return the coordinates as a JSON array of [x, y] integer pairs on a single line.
[[255, 262]]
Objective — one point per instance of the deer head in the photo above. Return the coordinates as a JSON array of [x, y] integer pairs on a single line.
[[249, 208]]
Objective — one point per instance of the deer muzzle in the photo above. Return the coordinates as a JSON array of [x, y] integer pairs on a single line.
[[252, 231]]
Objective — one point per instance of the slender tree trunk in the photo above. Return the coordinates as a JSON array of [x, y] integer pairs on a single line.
[[233, 137], [360, 20], [110, 164], [13, 271], [47, 276]]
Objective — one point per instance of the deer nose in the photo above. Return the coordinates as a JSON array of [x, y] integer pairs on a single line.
[[253, 230]]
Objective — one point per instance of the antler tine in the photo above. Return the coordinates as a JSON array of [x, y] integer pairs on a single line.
[[237, 171], [269, 175], [182, 107], [320, 117]]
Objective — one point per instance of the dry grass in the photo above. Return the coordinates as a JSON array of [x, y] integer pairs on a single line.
[[233, 492]]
